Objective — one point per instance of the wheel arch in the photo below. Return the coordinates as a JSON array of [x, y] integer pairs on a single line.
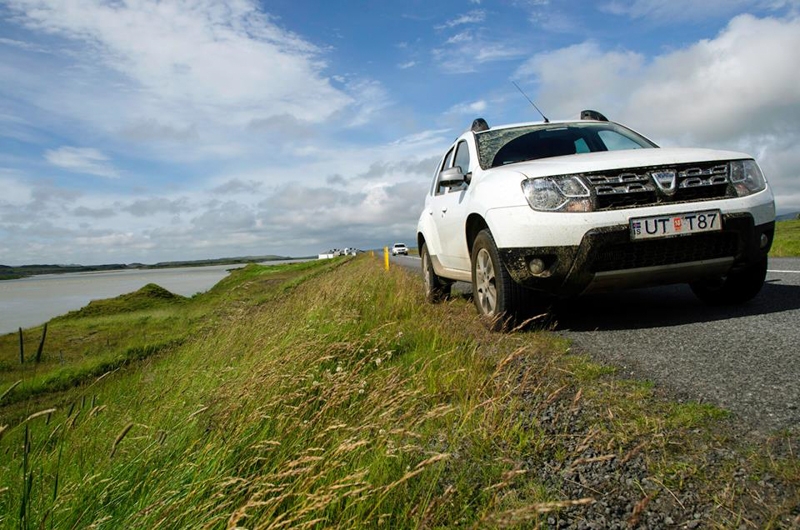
[[420, 241], [475, 223]]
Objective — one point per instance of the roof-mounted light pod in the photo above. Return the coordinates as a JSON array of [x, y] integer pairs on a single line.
[[592, 115], [479, 124]]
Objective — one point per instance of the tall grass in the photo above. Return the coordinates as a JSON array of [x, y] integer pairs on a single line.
[[331, 395], [787, 240]]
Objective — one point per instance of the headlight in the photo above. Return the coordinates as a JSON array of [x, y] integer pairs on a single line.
[[554, 194], [746, 177]]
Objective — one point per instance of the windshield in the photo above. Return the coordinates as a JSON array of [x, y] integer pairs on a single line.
[[507, 146]]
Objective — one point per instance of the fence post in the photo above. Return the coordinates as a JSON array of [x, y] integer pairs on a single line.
[[41, 345], [21, 348], [386, 258]]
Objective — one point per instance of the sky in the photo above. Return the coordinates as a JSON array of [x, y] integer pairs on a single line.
[[141, 131]]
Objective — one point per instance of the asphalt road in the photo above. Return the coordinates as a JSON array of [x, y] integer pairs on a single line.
[[745, 359]]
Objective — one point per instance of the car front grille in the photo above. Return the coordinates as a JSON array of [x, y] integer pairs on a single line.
[[630, 188], [670, 251]]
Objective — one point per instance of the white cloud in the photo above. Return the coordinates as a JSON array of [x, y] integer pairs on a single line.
[[742, 83], [155, 205], [581, 76], [468, 49], [475, 16], [465, 54], [370, 96], [470, 109], [23, 45], [681, 10], [736, 91], [15, 191], [407, 65], [81, 160], [460, 38], [236, 186], [175, 71], [94, 213], [232, 213]]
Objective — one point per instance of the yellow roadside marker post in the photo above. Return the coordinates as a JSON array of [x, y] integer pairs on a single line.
[[386, 258]]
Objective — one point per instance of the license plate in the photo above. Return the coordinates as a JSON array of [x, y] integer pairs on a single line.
[[675, 225]]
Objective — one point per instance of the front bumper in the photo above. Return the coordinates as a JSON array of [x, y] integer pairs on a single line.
[[606, 258]]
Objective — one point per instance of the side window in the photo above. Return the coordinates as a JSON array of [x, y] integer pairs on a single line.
[[446, 163], [462, 161], [462, 157], [448, 160]]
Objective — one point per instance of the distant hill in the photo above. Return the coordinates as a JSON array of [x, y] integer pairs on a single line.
[[216, 261], [10, 273], [787, 216]]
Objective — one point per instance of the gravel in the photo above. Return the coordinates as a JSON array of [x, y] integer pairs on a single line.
[[627, 495]]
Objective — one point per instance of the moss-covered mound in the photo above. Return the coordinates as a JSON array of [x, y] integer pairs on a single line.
[[151, 296]]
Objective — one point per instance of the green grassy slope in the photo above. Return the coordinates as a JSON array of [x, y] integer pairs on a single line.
[[787, 240], [328, 394]]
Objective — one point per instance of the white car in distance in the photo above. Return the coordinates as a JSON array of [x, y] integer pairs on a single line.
[[399, 248], [534, 211]]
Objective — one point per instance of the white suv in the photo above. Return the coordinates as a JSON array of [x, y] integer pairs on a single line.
[[570, 207], [399, 248]]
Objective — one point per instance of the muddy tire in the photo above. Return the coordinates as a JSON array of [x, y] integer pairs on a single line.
[[436, 288], [497, 297], [734, 288]]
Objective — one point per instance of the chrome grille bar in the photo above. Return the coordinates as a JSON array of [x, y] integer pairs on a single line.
[[629, 188]]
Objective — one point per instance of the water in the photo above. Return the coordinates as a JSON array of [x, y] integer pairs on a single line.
[[34, 300]]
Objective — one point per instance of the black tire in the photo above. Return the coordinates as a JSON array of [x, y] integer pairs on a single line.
[[735, 288], [436, 288], [497, 297]]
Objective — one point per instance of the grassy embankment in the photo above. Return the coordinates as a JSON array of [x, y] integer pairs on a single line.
[[329, 394], [787, 240]]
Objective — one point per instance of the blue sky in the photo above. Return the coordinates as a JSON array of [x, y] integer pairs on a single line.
[[144, 131]]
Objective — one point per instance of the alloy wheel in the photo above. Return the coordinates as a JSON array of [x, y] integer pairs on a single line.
[[426, 270], [485, 283]]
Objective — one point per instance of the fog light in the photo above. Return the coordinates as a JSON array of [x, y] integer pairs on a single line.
[[764, 240], [536, 266]]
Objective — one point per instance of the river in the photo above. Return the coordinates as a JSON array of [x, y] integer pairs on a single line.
[[32, 301]]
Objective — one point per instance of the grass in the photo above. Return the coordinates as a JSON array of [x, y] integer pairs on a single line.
[[328, 394], [787, 239]]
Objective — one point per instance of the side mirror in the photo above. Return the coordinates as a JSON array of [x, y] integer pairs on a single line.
[[452, 177]]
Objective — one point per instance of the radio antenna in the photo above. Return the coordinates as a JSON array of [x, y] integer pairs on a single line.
[[531, 102]]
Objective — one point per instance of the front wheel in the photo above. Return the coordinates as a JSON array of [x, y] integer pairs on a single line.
[[436, 288], [734, 288], [496, 295]]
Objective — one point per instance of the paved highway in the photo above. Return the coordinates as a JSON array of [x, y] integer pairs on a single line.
[[745, 359]]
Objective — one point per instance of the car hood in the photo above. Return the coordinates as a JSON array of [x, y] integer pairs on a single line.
[[607, 160]]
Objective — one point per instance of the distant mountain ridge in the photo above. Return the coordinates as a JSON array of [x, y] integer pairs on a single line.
[[22, 271]]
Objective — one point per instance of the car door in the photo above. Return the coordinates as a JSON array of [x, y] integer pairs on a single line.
[[450, 210], [431, 213]]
